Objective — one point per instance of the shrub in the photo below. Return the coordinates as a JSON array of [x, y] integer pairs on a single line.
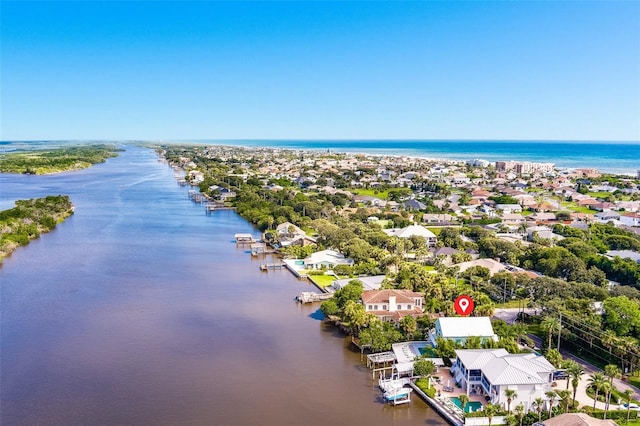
[[423, 384], [615, 414]]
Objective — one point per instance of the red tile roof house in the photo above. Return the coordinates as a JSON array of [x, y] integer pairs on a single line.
[[393, 305]]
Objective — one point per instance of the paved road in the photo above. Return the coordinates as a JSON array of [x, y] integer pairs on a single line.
[[509, 315], [589, 368]]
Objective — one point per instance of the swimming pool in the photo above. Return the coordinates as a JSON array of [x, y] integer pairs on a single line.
[[429, 351], [469, 408]]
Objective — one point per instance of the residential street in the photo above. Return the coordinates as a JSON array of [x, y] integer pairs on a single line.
[[581, 395]]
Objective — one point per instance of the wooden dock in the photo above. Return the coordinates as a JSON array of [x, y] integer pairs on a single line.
[[197, 196], [217, 205], [244, 239], [258, 249], [266, 266], [380, 362], [310, 297]]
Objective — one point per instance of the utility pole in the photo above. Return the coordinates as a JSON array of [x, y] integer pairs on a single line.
[[504, 291], [559, 331]]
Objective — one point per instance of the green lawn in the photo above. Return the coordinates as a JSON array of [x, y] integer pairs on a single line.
[[384, 223], [436, 229], [601, 194], [323, 280], [510, 304], [372, 192], [578, 209]]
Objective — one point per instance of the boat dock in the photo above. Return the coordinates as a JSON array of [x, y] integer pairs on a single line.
[[310, 297], [266, 266], [242, 239], [217, 205], [197, 196], [258, 249], [380, 362]]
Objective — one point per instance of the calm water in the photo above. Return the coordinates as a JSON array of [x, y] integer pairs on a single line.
[[139, 309]]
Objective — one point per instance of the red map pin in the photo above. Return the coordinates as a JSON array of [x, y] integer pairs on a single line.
[[463, 305]]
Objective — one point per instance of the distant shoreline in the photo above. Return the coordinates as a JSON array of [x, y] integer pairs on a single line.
[[609, 157], [620, 158]]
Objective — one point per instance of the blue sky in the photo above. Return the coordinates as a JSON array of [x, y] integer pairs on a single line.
[[320, 70]]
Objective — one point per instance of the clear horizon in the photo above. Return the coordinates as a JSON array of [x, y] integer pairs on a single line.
[[183, 140], [446, 70]]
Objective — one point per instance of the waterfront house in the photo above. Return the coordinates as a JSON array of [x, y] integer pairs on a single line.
[[326, 259], [490, 372], [393, 305], [289, 235], [368, 283], [459, 329]]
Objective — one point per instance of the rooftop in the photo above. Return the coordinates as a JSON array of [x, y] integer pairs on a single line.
[[452, 327]]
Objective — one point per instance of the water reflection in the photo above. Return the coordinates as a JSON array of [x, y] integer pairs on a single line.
[[139, 310]]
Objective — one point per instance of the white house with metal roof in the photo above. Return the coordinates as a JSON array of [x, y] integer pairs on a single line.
[[368, 283], [414, 231], [490, 372], [461, 328], [326, 259]]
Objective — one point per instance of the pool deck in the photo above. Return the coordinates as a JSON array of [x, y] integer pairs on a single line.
[[409, 351], [451, 415], [447, 388]]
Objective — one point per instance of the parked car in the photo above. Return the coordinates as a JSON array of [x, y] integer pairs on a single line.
[[560, 374], [632, 406]]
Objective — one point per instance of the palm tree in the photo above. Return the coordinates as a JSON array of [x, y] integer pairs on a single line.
[[473, 342], [628, 393], [539, 406], [554, 357], [609, 338], [464, 399], [596, 381], [520, 412], [511, 395], [550, 325], [575, 372], [551, 395], [611, 371], [520, 330], [568, 364], [606, 388], [490, 410], [565, 396]]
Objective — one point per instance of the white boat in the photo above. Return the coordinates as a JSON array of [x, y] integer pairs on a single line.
[[398, 396]]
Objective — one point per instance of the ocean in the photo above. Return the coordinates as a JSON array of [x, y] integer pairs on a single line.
[[608, 157]]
